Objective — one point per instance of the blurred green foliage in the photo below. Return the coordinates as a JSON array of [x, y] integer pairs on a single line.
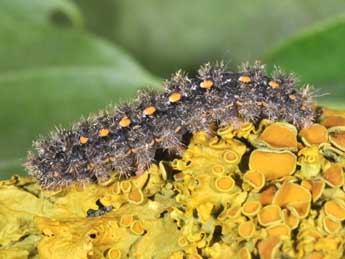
[[61, 59], [168, 35], [319, 56]]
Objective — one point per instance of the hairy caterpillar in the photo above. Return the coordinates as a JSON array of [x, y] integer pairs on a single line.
[[126, 139]]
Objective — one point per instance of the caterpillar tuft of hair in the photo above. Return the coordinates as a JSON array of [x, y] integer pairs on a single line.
[[126, 139]]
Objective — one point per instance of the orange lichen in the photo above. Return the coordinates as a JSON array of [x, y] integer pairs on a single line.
[[266, 196], [135, 196], [316, 187], [224, 183], [231, 157], [307, 184], [272, 164], [333, 121], [251, 208], [270, 214], [301, 209], [234, 212], [290, 219], [126, 220], [280, 135], [268, 247], [334, 175], [337, 137], [330, 225], [314, 135], [137, 227], [218, 169], [291, 195], [114, 253], [279, 230], [254, 179], [246, 229], [335, 209]]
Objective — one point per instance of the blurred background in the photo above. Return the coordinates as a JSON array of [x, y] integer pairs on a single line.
[[61, 59]]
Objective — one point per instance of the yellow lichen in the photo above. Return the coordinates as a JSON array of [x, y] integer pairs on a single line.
[[246, 192]]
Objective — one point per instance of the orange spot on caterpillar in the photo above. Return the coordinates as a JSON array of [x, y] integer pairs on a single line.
[[149, 110], [103, 132], [175, 97], [83, 140], [273, 84], [245, 79], [125, 122], [206, 84]]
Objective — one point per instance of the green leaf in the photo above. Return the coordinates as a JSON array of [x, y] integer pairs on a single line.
[[168, 35], [52, 72], [317, 56]]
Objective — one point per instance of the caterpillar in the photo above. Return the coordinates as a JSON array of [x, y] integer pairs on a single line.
[[126, 139]]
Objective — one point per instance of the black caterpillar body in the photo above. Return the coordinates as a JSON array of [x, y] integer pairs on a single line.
[[125, 139]]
